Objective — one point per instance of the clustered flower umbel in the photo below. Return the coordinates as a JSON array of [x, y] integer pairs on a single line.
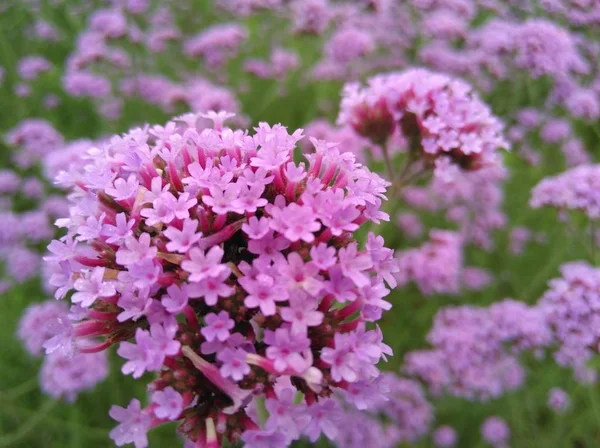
[[475, 350], [571, 308], [216, 261], [575, 189], [442, 118], [63, 374]]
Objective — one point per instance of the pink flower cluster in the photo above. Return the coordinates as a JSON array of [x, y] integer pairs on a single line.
[[571, 308], [475, 349], [217, 44], [218, 262], [435, 267], [496, 432], [397, 412], [63, 374], [34, 137], [442, 118], [575, 189]]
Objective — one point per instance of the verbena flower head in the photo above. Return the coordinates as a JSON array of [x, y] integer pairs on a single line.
[[444, 437], [558, 400], [543, 47], [435, 267], [577, 189], [216, 261], [30, 67], [570, 307], [216, 44], [389, 411], [496, 432], [441, 117], [475, 349], [34, 138], [63, 373]]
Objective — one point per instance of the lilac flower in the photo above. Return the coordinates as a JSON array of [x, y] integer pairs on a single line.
[[183, 239], [286, 350], [216, 44], [263, 293], [34, 329], [217, 326], [284, 414], [203, 265], [323, 256], [234, 364], [135, 304], [62, 340], [353, 264], [169, 403], [257, 438], [142, 274], [260, 255], [341, 358], [30, 67], [256, 228], [269, 247], [558, 400], [139, 355], [118, 232], [135, 250], [570, 309], [149, 351], [436, 266], [444, 437], [211, 288], [295, 222], [91, 287], [91, 229], [545, 48], [176, 299], [575, 189], [300, 317], [124, 188], [65, 377], [474, 354], [441, 117], [495, 431], [325, 418], [133, 426], [300, 275]]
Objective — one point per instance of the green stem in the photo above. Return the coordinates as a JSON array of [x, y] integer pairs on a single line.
[[261, 411]]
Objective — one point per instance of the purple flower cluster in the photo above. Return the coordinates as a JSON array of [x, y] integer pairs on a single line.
[[576, 189], [30, 67], [532, 125], [558, 400], [442, 119], [475, 349], [570, 306], [62, 374], [436, 266], [217, 44], [496, 432], [544, 48], [27, 209], [407, 415], [213, 258], [34, 138], [444, 437]]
